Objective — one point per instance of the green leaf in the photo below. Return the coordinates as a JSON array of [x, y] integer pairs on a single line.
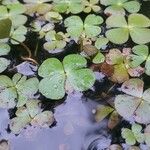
[[74, 26], [140, 35], [8, 92], [53, 87], [118, 35], [112, 2], [129, 136], [33, 107], [3, 64], [81, 79], [147, 66], [56, 74], [18, 123], [5, 27], [146, 95], [74, 62], [132, 6], [102, 112], [49, 67], [136, 128], [138, 20], [114, 10], [116, 21], [99, 58], [16, 8], [26, 90], [141, 53], [101, 42], [4, 49]]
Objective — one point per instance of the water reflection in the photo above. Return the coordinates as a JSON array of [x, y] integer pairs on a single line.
[[75, 128]]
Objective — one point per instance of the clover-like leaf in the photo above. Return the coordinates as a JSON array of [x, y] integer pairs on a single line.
[[75, 26], [91, 5], [30, 113], [19, 89], [137, 28], [18, 34], [55, 41], [128, 135], [137, 105], [133, 135], [63, 6], [55, 74], [116, 7], [37, 6], [141, 53], [13, 11]]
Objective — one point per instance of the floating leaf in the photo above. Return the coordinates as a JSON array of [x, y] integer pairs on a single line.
[[55, 75], [75, 26], [117, 7], [73, 6], [44, 119], [137, 105], [101, 42], [137, 28]]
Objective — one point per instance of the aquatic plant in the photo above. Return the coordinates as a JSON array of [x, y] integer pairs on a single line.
[[141, 54], [135, 101], [71, 71], [75, 26], [117, 7], [32, 114], [63, 6], [137, 28], [134, 135], [14, 11], [38, 7], [91, 5], [55, 40], [4, 50], [16, 91]]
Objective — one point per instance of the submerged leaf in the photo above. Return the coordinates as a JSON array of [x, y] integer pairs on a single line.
[[102, 112], [5, 28]]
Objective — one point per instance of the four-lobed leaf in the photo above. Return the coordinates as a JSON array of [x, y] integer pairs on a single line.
[[76, 27], [116, 7], [32, 114], [133, 135], [136, 101], [16, 91], [137, 28]]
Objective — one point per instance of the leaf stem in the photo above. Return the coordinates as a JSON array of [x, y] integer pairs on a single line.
[[36, 48], [29, 58], [24, 46]]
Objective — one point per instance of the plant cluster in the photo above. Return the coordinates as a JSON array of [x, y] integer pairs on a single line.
[[99, 28]]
